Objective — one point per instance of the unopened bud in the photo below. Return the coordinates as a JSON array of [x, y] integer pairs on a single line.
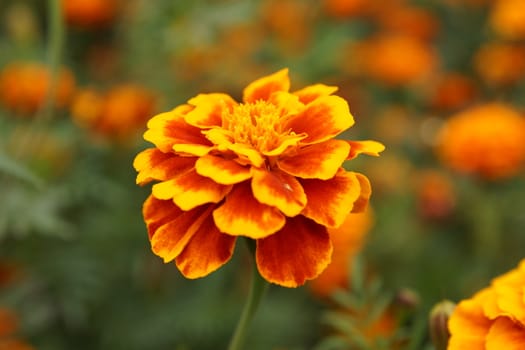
[[438, 324]]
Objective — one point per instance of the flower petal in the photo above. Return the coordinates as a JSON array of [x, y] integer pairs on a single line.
[[168, 129], [468, 326], [371, 148], [190, 190], [317, 161], [152, 164], [207, 250], [170, 228], [261, 89], [330, 201], [505, 334], [191, 150], [364, 196], [322, 119], [300, 251], [209, 109], [312, 92], [279, 190], [242, 215], [221, 170]]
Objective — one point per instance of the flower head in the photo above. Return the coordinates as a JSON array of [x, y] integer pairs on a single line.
[[487, 140], [494, 318], [24, 86], [267, 168]]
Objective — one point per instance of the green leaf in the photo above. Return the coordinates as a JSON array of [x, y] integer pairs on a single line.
[[10, 167]]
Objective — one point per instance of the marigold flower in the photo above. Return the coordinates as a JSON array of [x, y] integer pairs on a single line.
[[510, 67], [494, 318], [507, 18], [348, 240], [89, 13], [453, 90], [435, 195], [24, 86], [346, 8], [396, 59], [487, 140], [117, 114], [268, 169]]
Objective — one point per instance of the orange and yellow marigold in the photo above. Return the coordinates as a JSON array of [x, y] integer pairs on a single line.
[[267, 168], [486, 140], [494, 318]]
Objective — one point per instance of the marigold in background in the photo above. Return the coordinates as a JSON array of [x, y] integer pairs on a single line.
[[24, 86], [452, 91], [8, 328], [494, 318], [118, 114], [90, 14], [348, 240], [507, 18], [511, 63], [396, 59], [435, 195], [268, 168], [486, 140], [346, 8]]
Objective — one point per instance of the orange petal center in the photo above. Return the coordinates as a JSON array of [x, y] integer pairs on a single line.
[[255, 124]]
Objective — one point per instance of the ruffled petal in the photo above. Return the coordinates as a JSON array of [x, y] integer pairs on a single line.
[[468, 326], [152, 164], [317, 161], [286, 103], [300, 251], [261, 89], [279, 190], [170, 128], [221, 170], [330, 201], [364, 196], [242, 215], [207, 250], [312, 92], [209, 109], [322, 119], [371, 148], [169, 228], [191, 150], [505, 334], [190, 190]]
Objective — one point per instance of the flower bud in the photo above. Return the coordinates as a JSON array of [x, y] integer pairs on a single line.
[[438, 323]]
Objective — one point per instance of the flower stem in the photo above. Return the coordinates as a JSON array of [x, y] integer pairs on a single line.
[[258, 287]]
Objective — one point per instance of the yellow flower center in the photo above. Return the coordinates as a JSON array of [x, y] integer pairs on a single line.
[[256, 124]]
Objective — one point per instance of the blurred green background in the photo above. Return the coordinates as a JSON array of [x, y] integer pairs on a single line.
[[76, 269]]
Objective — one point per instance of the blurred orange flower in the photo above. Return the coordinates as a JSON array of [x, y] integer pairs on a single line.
[[90, 14], [488, 140], [510, 66], [494, 318], [8, 327], [507, 18], [346, 8], [348, 240], [412, 21], [452, 91], [268, 169], [290, 22], [119, 114], [396, 59], [435, 195], [24, 86]]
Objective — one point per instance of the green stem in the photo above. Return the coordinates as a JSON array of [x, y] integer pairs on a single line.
[[258, 287]]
